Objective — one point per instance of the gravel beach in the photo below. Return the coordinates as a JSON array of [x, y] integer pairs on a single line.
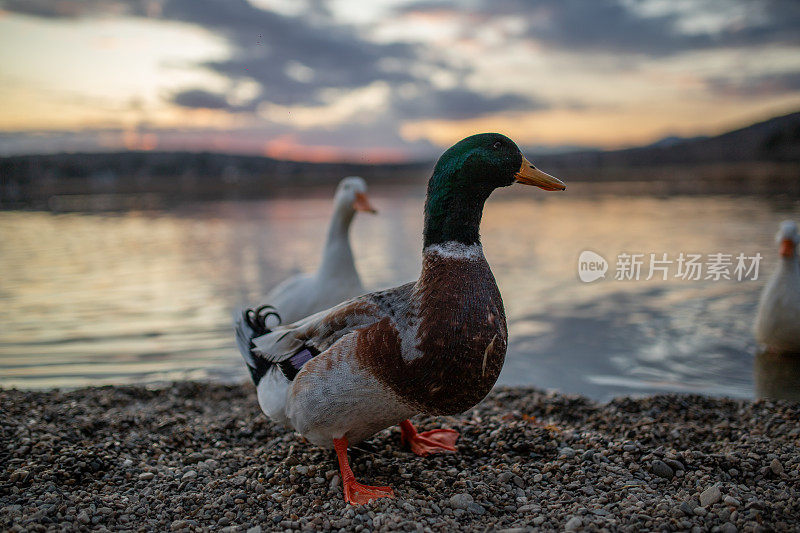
[[196, 456]]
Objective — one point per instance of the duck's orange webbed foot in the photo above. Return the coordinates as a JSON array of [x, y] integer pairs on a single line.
[[357, 494], [354, 492], [428, 442]]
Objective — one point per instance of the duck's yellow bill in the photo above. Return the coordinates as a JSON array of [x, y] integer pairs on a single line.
[[530, 175]]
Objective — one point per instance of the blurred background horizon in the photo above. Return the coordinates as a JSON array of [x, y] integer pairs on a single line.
[[163, 162], [389, 81]]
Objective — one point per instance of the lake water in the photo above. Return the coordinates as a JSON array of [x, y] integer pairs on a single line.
[[147, 296]]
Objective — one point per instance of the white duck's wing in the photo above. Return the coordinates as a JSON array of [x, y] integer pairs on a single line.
[[294, 298], [303, 295], [289, 286]]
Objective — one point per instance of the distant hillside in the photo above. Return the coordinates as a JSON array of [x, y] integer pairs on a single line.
[[33, 180], [672, 140], [775, 140], [761, 158]]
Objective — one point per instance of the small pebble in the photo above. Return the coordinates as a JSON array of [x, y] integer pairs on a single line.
[[461, 500], [661, 469], [710, 496], [730, 500], [476, 508]]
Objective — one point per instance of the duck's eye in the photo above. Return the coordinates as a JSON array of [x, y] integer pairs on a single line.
[[497, 145]]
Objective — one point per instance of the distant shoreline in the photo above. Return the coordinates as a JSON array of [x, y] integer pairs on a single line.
[[762, 158], [193, 456], [740, 179]]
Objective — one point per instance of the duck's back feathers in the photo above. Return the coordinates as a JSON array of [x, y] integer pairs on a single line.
[[315, 333]]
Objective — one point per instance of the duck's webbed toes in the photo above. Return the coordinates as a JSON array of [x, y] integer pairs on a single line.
[[357, 494], [428, 442]]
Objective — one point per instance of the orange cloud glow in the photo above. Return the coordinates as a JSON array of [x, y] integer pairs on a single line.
[[287, 147]]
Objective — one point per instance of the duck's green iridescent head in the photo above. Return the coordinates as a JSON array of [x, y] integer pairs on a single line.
[[465, 176]]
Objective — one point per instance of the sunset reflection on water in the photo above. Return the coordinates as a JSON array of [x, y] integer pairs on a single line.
[[88, 299]]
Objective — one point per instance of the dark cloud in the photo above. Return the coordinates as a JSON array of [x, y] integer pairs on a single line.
[[198, 98], [608, 26], [268, 45], [619, 29], [202, 99], [627, 28], [764, 85], [459, 103], [271, 46], [80, 8]]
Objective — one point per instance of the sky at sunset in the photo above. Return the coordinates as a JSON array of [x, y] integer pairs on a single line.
[[387, 80]]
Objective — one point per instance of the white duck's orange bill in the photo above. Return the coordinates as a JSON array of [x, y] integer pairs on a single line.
[[787, 248], [362, 203]]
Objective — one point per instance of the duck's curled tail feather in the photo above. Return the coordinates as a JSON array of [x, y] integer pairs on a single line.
[[249, 324]]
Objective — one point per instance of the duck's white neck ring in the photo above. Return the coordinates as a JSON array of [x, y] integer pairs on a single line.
[[455, 250]]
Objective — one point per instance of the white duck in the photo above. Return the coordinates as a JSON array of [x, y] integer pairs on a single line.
[[337, 279], [778, 320]]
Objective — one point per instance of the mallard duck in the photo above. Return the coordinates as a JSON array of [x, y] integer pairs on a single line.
[[434, 346], [336, 279], [778, 319]]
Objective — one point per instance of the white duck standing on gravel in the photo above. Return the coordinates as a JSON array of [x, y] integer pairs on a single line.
[[778, 320], [336, 279], [433, 346]]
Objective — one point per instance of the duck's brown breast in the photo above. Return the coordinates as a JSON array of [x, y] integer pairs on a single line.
[[460, 338]]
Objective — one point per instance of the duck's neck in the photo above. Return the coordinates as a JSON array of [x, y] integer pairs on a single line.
[[337, 257], [789, 266], [452, 212]]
